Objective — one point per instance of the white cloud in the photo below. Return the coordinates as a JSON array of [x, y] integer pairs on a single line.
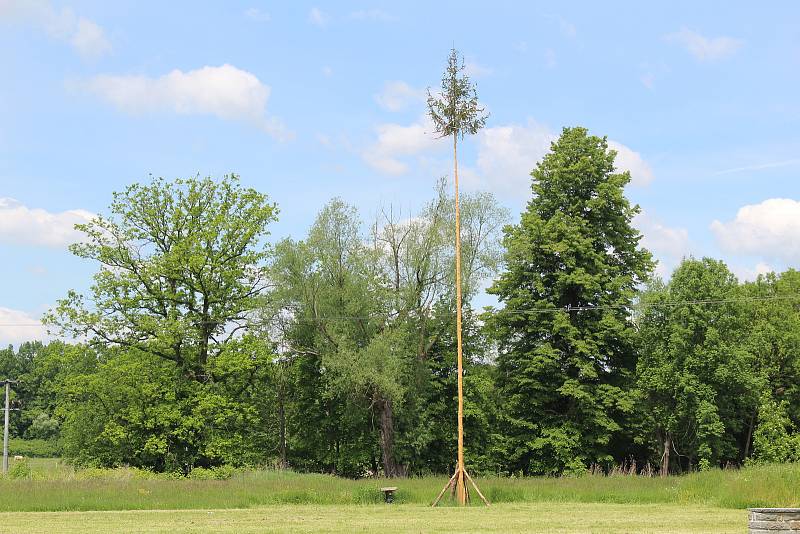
[[395, 142], [37, 270], [18, 326], [508, 154], [629, 160], [751, 273], [21, 225], [397, 95], [377, 15], [257, 15], [769, 230], [566, 27], [225, 92], [317, 17], [669, 245], [83, 34], [705, 48], [550, 59], [475, 70], [89, 39], [652, 72]]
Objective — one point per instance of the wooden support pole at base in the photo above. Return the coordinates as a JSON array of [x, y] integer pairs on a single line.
[[445, 488], [451, 485], [485, 501]]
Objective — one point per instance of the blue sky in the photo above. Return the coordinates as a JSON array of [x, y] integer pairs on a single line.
[[307, 101]]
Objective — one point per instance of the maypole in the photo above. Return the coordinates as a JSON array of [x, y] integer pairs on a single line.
[[456, 112]]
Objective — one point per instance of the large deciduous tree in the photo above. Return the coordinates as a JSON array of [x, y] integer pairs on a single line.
[[564, 335], [182, 269], [697, 377], [362, 317]]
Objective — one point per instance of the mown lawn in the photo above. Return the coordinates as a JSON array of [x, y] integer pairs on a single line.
[[500, 518]]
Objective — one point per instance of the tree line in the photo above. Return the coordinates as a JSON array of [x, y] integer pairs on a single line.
[[202, 342]]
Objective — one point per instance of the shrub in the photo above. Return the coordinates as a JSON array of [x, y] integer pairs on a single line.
[[33, 448], [772, 440], [19, 469]]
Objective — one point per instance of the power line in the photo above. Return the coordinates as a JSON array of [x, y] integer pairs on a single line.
[[634, 306]]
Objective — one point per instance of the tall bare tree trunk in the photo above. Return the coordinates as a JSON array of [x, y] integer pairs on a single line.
[[665, 456], [749, 435], [390, 466]]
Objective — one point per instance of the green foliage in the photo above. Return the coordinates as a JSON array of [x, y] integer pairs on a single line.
[[456, 111], [19, 469], [33, 448], [368, 339], [206, 350], [700, 382], [773, 441], [565, 373], [182, 273], [181, 265]]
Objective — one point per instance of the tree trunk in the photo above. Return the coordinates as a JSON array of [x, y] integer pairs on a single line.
[[390, 467], [284, 463], [749, 435], [665, 456]]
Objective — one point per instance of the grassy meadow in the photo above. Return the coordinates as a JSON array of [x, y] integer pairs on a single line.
[[49, 485], [49, 496]]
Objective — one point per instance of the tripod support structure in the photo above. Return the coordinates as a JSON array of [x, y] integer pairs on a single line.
[[458, 488]]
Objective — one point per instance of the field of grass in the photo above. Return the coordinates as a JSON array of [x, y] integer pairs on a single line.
[[529, 517], [52, 486], [49, 496]]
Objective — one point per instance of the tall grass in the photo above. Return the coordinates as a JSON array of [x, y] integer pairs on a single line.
[[60, 488]]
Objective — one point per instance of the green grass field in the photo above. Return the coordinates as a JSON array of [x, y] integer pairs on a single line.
[[53, 497], [52, 486], [502, 518]]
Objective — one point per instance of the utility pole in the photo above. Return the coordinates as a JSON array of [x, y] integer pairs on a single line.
[[5, 427]]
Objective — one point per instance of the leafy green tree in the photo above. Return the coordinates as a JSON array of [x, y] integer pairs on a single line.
[[33, 397], [127, 409], [773, 441], [182, 271], [329, 286], [694, 369], [361, 317], [773, 340], [565, 339], [429, 426]]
